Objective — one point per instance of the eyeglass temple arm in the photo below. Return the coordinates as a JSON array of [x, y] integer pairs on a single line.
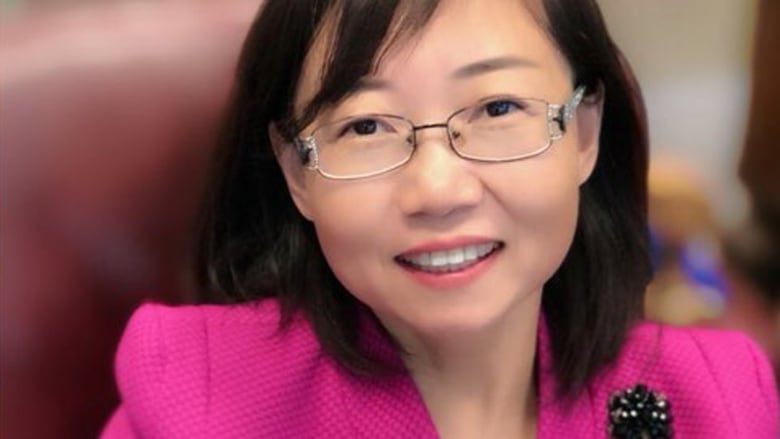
[[305, 148], [562, 113]]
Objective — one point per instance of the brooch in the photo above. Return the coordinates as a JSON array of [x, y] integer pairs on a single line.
[[639, 413]]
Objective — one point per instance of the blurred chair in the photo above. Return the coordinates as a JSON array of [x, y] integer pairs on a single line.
[[107, 116]]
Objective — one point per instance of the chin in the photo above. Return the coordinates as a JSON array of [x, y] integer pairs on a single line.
[[456, 322]]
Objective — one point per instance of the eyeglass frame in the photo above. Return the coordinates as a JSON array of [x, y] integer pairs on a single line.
[[307, 147]]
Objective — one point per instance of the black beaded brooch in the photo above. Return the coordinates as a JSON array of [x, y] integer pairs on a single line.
[[639, 413]]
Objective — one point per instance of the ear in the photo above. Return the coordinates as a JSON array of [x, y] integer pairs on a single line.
[[292, 169], [589, 114]]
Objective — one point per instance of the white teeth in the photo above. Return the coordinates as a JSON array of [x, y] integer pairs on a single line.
[[455, 256], [439, 259], [450, 260]]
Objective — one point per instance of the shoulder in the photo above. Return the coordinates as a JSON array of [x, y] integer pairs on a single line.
[[727, 361], [174, 363], [155, 327], [184, 338], [715, 380]]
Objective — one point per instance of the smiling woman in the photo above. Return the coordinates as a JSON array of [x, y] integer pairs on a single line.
[[433, 223]]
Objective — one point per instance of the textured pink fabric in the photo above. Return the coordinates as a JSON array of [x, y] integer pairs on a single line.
[[227, 372]]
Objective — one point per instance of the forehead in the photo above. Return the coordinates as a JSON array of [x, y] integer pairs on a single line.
[[459, 33]]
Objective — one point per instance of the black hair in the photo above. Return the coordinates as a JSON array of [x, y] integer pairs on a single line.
[[254, 243]]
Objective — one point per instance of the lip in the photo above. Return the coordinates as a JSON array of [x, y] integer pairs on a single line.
[[450, 279]]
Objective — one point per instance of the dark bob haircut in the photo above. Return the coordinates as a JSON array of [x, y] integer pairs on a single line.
[[255, 244]]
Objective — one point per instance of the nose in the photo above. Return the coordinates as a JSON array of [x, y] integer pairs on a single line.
[[436, 181]]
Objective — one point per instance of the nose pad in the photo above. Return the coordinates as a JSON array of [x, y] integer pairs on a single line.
[[454, 137], [410, 139]]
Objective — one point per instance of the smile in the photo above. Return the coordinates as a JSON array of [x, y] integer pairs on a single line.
[[446, 261]]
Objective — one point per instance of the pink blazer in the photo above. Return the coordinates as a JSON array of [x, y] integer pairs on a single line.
[[226, 372]]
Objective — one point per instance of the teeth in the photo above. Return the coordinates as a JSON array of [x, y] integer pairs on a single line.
[[470, 252], [450, 260], [439, 259], [455, 256]]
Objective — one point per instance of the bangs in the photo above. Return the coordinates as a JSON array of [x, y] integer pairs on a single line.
[[362, 34]]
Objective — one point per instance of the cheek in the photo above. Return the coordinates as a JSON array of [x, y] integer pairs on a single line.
[[554, 203], [545, 192], [349, 220], [542, 204], [545, 222]]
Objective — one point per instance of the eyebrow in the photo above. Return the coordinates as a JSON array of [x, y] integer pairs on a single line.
[[370, 84], [467, 71], [490, 65]]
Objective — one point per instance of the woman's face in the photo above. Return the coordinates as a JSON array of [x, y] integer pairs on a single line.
[[500, 229]]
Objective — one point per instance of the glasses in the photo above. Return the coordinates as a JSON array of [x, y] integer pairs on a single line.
[[495, 130]]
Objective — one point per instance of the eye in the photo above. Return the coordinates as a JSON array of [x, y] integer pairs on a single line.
[[370, 128], [360, 127], [500, 107], [364, 126]]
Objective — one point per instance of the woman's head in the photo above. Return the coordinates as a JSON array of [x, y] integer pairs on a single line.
[[429, 92]]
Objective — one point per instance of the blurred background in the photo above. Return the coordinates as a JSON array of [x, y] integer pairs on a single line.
[[107, 118]]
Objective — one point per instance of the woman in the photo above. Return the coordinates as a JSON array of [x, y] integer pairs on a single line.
[[433, 217]]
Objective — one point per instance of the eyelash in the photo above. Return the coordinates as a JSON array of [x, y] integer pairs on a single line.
[[514, 105], [350, 127]]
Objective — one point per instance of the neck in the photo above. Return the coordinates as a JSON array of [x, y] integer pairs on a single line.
[[479, 383]]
